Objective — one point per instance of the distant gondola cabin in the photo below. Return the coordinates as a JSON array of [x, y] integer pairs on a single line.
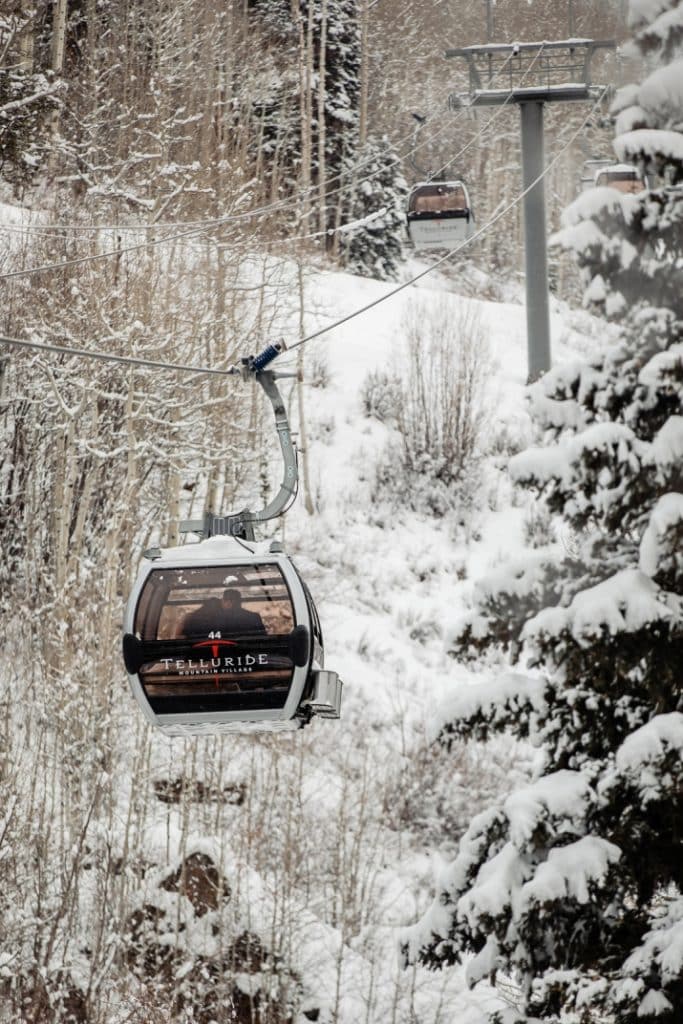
[[439, 215], [623, 177]]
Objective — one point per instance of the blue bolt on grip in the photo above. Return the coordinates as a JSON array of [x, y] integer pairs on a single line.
[[269, 353]]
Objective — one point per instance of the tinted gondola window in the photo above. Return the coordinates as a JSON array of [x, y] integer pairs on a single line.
[[624, 181], [433, 199], [220, 638]]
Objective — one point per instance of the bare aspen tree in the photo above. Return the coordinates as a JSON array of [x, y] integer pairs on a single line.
[[58, 39], [57, 43], [305, 56], [305, 461], [322, 134], [364, 71], [26, 39]]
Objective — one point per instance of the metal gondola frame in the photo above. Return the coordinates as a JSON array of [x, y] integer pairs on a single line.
[[241, 524], [301, 614], [313, 691]]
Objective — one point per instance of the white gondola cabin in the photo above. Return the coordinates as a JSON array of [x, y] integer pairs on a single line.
[[223, 636], [439, 215], [590, 171], [623, 177]]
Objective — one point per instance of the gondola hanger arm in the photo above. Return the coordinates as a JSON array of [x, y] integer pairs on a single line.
[[241, 524]]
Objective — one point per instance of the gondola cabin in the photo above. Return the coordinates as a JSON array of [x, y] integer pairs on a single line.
[[439, 215], [223, 636], [591, 169], [623, 177]]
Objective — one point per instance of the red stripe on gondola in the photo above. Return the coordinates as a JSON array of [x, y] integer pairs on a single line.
[[214, 645]]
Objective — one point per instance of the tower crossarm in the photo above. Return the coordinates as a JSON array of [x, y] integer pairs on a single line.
[[562, 68]]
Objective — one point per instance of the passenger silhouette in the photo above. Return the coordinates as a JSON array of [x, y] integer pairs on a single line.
[[235, 618], [203, 620], [224, 615]]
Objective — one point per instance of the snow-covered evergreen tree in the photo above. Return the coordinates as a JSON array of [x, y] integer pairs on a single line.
[[311, 135], [322, 38], [27, 96], [375, 246], [573, 886]]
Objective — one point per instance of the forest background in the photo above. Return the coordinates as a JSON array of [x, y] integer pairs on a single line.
[[160, 131]]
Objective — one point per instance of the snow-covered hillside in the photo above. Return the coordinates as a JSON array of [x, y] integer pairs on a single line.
[[366, 798], [270, 878], [328, 841], [407, 570]]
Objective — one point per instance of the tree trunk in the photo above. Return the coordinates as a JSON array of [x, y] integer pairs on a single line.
[[26, 41], [305, 474], [57, 46], [58, 37], [364, 73], [322, 210]]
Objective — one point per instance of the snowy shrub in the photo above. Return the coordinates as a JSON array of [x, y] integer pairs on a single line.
[[322, 428], [420, 627], [572, 885], [236, 979], [422, 486], [433, 463], [380, 396], [438, 790], [537, 526], [318, 372], [506, 439]]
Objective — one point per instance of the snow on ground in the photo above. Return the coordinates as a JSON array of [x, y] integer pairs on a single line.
[[11, 215], [387, 579]]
